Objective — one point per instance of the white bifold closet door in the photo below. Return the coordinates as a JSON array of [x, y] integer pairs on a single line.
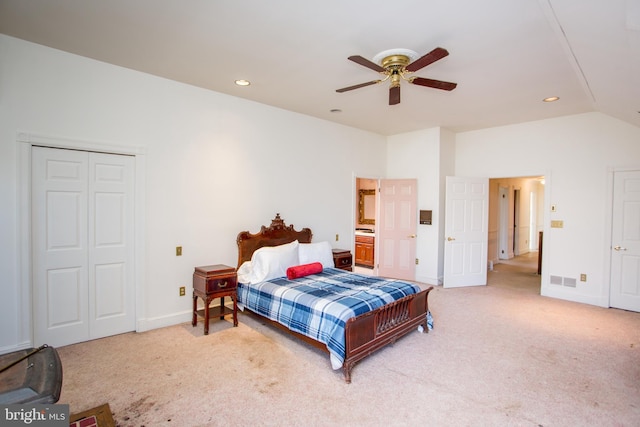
[[82, 245]]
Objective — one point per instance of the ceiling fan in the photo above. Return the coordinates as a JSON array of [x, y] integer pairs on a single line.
[[397, 65]]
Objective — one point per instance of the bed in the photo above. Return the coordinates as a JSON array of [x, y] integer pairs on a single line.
[[345, 314]]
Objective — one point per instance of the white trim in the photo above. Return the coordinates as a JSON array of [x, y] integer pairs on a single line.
[[545, 286], [150, 323], [608, 236], [25, 142], [76, 144], [560, 292]]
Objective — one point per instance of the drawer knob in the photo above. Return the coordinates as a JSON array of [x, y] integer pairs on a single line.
[[223, 284]]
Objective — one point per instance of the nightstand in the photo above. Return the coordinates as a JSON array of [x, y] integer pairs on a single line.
[[342, 259], [210, 282]]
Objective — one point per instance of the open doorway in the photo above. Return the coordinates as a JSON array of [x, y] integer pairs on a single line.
[[515, 232], [364, 257]]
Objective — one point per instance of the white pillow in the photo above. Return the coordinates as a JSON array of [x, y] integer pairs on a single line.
[[245, 273], [316, 252], [270, 262]]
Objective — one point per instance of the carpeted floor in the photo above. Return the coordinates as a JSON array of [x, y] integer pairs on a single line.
[[500, 355]]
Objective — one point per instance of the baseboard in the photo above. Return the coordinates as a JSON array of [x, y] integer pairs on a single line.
[[559, 292], [149, 324], [429, 280], [16, 347]]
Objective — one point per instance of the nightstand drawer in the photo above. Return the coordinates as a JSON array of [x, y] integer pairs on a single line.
[[214, 278], [343, 261], [214, 284]]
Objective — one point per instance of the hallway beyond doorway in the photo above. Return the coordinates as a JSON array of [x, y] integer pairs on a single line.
[[518, 273]]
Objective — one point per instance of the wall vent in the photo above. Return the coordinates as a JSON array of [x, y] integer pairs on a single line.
[[555, 280], [563, 281]]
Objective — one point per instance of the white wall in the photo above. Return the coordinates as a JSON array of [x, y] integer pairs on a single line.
[[447, 168], [215, 165], [576, 154], [418, 155]]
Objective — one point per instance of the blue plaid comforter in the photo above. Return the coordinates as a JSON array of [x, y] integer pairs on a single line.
[[319, 305]]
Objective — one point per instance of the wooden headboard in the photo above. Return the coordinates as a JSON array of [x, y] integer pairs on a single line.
[[276, 234]]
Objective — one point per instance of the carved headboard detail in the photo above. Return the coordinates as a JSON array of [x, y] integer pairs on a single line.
[[276, 234]]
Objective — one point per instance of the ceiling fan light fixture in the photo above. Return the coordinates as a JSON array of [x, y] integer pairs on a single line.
[[395, 79], [399, 52], [395, 65]]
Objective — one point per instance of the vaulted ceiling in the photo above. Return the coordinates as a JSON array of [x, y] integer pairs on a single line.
[[505, 55]]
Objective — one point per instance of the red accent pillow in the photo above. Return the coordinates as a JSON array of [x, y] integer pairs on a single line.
[[303, 270]]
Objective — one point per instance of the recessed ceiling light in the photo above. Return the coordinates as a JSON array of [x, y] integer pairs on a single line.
[[335, 110], [243, 82], [551, 99]]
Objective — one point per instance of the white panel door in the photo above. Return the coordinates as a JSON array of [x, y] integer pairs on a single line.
[[60, 263], [625, 247], [82, 238], [466, 231], [111, 286], [396, 231]]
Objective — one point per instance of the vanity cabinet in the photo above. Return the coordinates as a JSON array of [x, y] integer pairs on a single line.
[[364, 251]]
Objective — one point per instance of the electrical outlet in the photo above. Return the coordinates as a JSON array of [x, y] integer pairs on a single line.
[[183, 291], [178, 250], [583, 277]]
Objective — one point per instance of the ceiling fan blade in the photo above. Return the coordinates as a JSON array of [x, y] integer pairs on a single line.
[[344, 89], [431, 57], [366, 63], [394, 95], [437, 84]]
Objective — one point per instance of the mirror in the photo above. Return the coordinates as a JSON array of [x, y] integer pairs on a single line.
[[367, 207]]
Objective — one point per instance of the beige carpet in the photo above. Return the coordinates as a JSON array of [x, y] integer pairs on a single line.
[[500, 355]]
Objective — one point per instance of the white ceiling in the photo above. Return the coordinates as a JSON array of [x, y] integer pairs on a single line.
[[505, 55]]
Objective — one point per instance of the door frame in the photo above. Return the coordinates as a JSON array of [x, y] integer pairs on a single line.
[[515, 244], [25, 143], [354, 219]]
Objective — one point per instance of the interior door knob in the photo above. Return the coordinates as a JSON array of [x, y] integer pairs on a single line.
[[619, 248], [451, 238], [411, 236]]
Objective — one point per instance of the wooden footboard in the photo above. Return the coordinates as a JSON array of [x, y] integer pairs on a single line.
[[372, 331]]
